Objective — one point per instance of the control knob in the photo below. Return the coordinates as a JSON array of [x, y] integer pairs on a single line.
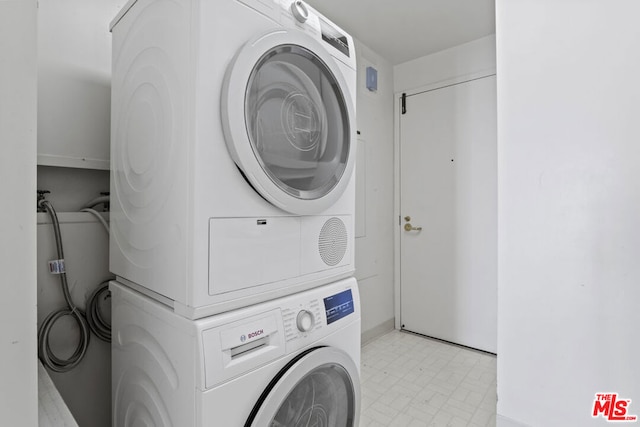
[[299, 11], [305, 321]]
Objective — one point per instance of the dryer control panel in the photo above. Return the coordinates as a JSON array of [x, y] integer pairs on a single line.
[[300, 15]]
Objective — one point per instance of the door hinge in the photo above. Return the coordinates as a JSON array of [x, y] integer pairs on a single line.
[[404, 103]]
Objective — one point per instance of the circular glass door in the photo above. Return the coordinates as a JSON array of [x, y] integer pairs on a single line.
[[292, 135], [318, 388], [297, 121]]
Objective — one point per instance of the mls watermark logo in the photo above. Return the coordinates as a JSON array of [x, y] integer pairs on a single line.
[[612, 408]]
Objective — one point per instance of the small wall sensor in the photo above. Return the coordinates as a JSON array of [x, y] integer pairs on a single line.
[[372, 79]]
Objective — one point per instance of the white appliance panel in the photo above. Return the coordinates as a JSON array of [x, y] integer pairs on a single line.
[[246, 252], [149, 160], [171, 168], [168, 370]]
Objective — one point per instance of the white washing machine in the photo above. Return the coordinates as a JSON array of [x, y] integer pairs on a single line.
[[232, 151], [287, 362]]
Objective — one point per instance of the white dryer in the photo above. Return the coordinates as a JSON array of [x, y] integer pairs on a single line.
[[287, 362], [232, 151]]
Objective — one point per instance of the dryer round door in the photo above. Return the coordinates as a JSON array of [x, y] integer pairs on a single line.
[[320, 387], [289, 121]]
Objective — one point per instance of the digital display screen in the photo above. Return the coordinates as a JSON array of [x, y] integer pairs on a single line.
[[334, 37], [338, 306]]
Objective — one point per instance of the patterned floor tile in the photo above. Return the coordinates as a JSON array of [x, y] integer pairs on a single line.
[[409, 380]]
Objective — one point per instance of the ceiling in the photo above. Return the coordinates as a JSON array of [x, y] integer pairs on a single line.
[[401, 30]]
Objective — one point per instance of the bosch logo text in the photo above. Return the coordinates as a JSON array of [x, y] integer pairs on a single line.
[[255, 333]]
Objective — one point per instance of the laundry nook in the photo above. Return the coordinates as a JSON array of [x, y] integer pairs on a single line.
[[285, 213]]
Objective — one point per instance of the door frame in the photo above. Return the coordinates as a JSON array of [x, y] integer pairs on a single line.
[[397, 97]]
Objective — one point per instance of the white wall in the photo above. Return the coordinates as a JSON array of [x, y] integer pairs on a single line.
[[72, 188], [74, 82], [569, 208], [374, 251], [469, 59], [18, 366]]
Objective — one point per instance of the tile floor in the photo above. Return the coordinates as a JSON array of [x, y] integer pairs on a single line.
[[409, 380]]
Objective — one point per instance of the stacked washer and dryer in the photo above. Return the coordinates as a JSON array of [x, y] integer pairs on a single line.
[[232, 209]]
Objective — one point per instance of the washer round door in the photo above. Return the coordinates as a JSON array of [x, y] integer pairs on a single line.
[[320, 387], [289, 121]]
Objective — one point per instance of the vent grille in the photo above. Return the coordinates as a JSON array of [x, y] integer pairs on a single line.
[[332, 243]]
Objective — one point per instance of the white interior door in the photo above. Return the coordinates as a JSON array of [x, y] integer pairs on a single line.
[[448, 188]]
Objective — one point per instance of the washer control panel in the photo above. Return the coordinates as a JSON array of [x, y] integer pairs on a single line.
[[302, 319], [309, 316]]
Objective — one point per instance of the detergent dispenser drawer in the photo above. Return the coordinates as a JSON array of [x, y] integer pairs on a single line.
[[241, 346]]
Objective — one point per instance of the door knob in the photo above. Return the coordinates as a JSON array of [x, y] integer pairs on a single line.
[[409, 227]]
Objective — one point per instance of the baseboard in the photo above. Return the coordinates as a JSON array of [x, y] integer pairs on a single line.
[[502, 421], [377, 331]]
